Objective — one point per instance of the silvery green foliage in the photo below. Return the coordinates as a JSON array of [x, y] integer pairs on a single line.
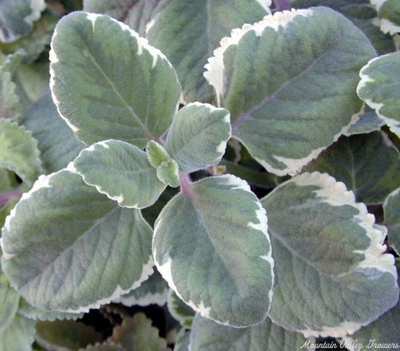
[[231, 176]]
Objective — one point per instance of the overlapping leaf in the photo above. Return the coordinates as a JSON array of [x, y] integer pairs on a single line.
[[211, 245], [332, 275], [9, 300], [19, 335], [391, 209], [289, 82], [109, 83], [389, 15], [380, 88], [67, 247]]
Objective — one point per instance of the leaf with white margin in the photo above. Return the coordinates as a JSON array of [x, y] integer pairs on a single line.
[[369, 165], [152, 291], [17, 17], [68, 248], [109, 83], [332, 275], [183, 313], [391, 210], [19, 152], [289, 83], [199, 25], [135, 13], [383, 331], [10, 106], [57, 143], [380, 88], [389, 15], [211, 245], [9, 300], [19, 335], [368, 122], [121, 171], [198, 136], [207, 335], [28, 311]]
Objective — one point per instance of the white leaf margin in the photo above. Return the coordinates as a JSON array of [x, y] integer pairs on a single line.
[[385, 25]]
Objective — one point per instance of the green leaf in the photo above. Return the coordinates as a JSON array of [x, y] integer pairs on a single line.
[[179, 24], [9, 300], [152, 291], [183, 313], [56, 142], [391, 210], [137, 333], [206, 335], [168, 173], [198, 136], [17, 16], [369, 122], [103, 347], [157, 154], [135, 13], [368, 164], [19, 335], [109, 83], [19, 152], [28, 311], [286, 77], [389, 15], [65, 335], [121, 171], [212, 247], [379, 88], [9, 63], [68, 248], [10, 106], [332, 275]]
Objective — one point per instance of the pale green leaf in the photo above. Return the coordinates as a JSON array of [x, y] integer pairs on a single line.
[[389, 15], [156, 154], [66, 247], [380, 88], [56, 142], [206, 335], [10, 106], [152, 291], [212, 247], [168, 173], [19, 152], [198, 136], [137, 333], [182, 341], [183, 313], [369, 165], [19, 335], [368, 122], [332, 275], [289, 83], [9, 63], [65, 335], [121, 171], [109, 83], [9, 300], [28, 311], [17, 16], [391, 210], [187, 32], [135, 13]]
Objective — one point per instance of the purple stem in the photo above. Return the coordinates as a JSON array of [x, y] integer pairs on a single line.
[[5, 197], [282, 4]]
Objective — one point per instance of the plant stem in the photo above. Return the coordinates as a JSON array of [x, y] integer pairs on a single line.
[[5, 197], [185, 184]]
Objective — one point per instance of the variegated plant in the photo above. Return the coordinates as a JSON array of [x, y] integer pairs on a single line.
[[261, 158]]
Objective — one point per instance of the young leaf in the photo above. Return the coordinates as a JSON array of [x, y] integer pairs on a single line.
[[178, 25], [206, 335], [108, 83], [56, 141], [19, 152], [121, 171], [332, 275], [368, 164], [198, 136], [211, 245], [380, 88], [9, 300], [391, 210], [17, 17], [66, 247], [285, 73], [19, 335]]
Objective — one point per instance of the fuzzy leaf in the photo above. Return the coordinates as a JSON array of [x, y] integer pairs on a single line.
[[156, 154], [10, 106], [56, 142], [135, 13], [332, 275], [198, 136], [121, 171], [19, 152], [212, 247], [198, 25], [9, 300], [28, 311], [391, 210], [389, 15], [19, 335], [369, 122], [291, 71], [380, 88], [109, 83], [206, 335], [103, 347], [68, 248], [17, 16], [368, 164], [183, 313]]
